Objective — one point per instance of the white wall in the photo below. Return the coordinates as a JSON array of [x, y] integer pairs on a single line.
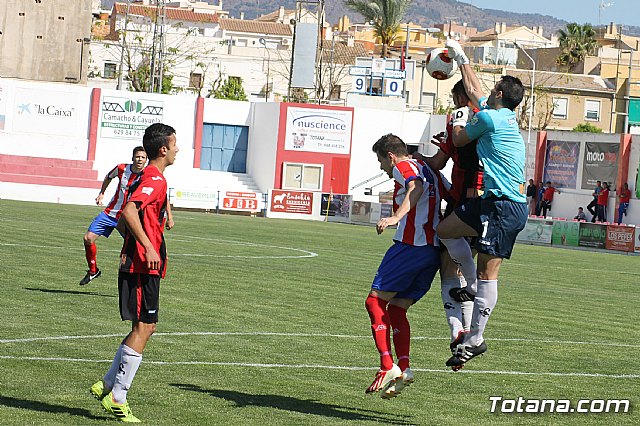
[[177, 111], [263, 139], [368, 126], [44, 119]]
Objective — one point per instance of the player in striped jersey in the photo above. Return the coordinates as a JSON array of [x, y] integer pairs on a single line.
[[410, 264], [107, 220]]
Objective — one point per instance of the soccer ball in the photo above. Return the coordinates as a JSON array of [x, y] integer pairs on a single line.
[[439, 65]]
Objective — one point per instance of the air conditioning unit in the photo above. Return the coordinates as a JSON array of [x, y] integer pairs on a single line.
[[286, 42]]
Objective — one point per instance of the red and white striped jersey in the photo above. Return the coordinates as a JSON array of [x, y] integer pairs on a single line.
[[125, 177], [418, 227]]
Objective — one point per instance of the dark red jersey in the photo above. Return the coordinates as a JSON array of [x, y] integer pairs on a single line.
[[150, 191], [466, 171]]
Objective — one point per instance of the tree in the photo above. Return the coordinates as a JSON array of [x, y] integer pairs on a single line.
[[140, 76], [576, 43], [587, 128], [386, 16], [231, 89]]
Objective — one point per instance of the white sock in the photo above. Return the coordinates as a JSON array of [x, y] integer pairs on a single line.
[[483, 305], [110, 377], [452, 309], [467, 307], [129, 363], [460, 252], [467, 314]]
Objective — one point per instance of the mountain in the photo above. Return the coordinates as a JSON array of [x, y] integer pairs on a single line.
[[422, 12]]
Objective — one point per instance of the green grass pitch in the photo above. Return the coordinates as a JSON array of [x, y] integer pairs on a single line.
[[262, 322]]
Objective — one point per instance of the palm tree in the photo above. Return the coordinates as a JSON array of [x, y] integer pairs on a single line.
[[576, 43], [386, 16]]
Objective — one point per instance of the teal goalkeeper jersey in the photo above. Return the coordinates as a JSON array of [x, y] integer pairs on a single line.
[[501, 150]]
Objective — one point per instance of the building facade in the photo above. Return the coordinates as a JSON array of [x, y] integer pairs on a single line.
[[45, 41]]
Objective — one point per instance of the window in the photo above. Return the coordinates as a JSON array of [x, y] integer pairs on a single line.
[[428, 101], [234, 79], [335, 92], [592, 110], [110, 70], [195, 80], [302, 176], [560, 106]]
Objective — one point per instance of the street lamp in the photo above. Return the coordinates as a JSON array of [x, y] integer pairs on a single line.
[[264, 43], [533, 79]]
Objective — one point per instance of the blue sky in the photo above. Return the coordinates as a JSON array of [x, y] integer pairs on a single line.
[[626, 12]]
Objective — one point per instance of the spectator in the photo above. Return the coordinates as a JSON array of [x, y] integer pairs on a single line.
[[580, 215], [592, 205], [547, 198], [532, 190], [603, 200], [539, 200], [624, 197]]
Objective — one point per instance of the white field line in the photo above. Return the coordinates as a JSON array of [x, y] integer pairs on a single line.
[[307, 254], [341, 336], [599, 271], [303, 253], [333, 367]]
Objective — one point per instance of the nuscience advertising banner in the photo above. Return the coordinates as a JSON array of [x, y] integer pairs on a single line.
[[318, 130]]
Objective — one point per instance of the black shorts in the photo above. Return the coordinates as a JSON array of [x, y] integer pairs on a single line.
[[139, 297], [453, 205], [497, 222]]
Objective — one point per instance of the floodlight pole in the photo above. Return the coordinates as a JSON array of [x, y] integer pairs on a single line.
[[263, 42], [124, 43]]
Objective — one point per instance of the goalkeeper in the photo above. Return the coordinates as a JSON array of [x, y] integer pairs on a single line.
[[500, 213]]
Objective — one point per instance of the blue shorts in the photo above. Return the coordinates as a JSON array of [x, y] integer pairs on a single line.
[[103, 225], [497, 222], [407, 270]]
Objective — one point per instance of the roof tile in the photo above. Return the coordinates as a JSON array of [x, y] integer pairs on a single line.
[[170, 12], [257, 27]]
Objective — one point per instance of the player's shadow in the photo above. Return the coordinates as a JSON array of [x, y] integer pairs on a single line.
[[83, 293], [305, 406], [7, 401]]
